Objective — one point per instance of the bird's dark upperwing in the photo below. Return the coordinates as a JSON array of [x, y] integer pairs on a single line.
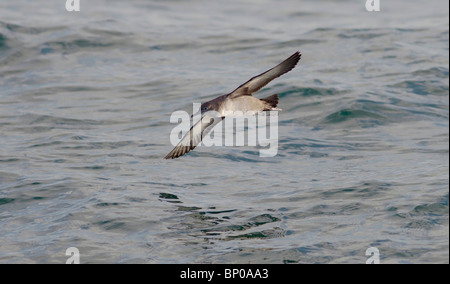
[[257, 82], [194, 136]]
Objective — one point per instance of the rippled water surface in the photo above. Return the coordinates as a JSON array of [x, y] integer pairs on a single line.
[[85, 104]]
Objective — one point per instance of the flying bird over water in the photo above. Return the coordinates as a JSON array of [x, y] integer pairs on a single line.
[[240, 99]]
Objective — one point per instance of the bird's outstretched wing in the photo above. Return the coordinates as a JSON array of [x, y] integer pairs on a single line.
[[259, 81], [194, 136]]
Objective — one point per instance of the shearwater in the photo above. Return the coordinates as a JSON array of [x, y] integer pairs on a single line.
[[239, 100]]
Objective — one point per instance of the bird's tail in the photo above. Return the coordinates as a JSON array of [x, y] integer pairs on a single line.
[[271, 102]]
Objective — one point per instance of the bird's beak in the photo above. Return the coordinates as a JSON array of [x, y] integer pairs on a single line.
[[199, 112]]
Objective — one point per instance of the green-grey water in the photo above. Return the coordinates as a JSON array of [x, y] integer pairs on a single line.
[[85, 104]]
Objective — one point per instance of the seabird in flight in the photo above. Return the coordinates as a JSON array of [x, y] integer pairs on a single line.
[[241, 99]]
